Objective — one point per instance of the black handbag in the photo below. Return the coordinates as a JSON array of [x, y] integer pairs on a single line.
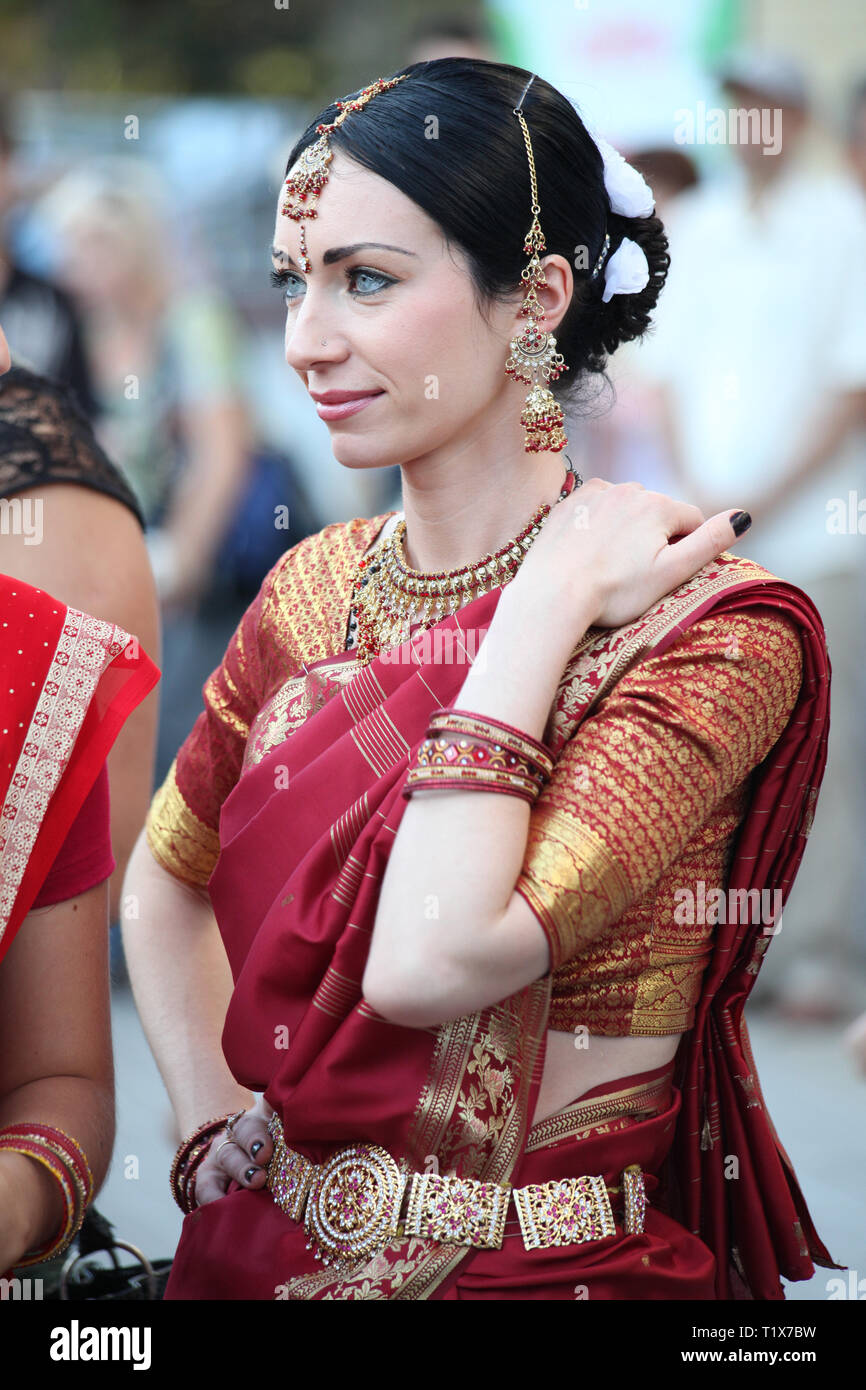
[[78, 1273]]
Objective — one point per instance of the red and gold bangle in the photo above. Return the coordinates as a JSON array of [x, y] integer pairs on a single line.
[[464, 750], [450, 762], [75, 1195], [193, 1147], [62, 1143], [459, 721], [469, 784], [49, 1154], [186, 1182], [210, 1127]]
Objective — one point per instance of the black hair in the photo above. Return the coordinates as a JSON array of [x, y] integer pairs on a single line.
[[448, 139]]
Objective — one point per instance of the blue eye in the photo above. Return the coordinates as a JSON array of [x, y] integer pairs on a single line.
[[383, 280], [281, 279]]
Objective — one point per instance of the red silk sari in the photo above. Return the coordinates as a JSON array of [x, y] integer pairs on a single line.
[[297, 924], [69, 681]]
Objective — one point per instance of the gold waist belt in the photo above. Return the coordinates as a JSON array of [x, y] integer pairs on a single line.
[[361, 1200]]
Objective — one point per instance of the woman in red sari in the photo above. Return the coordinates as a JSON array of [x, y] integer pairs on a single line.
[[499, 1053], [68, 682]]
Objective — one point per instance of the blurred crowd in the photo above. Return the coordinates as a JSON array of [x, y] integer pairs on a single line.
[[750, 391]]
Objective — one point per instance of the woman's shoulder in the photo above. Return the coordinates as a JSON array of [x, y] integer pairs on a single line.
[[711, 664], [755, 614], [304, 597], [758, 632], [732, 589], [38, 620], [30, 399], [27, 601], [45, 437], [740, 664], [746, 642], [335, 549]]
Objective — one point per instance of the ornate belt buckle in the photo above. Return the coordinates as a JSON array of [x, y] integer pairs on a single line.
[[354, 1205], [564, 1213]]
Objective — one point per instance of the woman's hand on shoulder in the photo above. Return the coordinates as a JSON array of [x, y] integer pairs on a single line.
[[241, 1156], [621, 548]]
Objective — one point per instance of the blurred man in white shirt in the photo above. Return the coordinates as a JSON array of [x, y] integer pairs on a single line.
[[759, 354]]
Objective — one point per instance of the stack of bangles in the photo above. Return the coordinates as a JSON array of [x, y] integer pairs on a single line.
[[66, 1163], [190, 1154], [463, 749]]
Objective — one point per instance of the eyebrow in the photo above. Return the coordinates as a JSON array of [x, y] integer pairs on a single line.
[[340, 253]]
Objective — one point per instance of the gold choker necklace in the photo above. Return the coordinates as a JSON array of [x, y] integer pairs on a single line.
[[390, 599]]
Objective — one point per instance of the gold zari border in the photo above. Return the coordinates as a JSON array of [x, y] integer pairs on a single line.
[[581, 1115], [190, 854]]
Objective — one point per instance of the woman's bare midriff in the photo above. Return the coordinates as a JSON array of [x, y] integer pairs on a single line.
[[575, 1064]]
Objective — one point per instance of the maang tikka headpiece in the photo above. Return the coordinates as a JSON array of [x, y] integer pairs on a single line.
[[309, 173], [533, 352]]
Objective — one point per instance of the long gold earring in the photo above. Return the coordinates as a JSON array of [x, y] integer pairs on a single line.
[[534, 358]]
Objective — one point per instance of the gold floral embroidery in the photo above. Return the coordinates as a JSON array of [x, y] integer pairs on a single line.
[[290, 707], [569, 872], [179, 841], [260, 692], [644, 803], [485, 1112], [408, 1270]]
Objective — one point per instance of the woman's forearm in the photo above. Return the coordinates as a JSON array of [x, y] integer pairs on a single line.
[[32, 1207], [31, 1202], [457, 854], [182, 984]]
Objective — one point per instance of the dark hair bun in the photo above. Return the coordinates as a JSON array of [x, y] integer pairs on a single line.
[[593, 329]]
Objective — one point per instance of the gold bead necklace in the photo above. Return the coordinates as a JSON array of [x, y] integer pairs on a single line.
[[390, 599]]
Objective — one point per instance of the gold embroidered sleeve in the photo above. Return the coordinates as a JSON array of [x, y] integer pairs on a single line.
[[644, 773], [182, 826], [298, 615]]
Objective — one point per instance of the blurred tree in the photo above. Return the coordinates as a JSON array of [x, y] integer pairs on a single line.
[[311, 49]]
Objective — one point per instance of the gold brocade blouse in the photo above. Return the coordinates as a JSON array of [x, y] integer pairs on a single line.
[[628, 839]]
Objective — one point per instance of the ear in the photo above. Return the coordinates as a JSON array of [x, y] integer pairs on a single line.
[[554, 296]]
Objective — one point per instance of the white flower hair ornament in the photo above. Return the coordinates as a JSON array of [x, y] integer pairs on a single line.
[[627, 271]]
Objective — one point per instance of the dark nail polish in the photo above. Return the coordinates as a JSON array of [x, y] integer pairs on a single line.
[[250, 1174], [254, 1148], [740, 521]]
